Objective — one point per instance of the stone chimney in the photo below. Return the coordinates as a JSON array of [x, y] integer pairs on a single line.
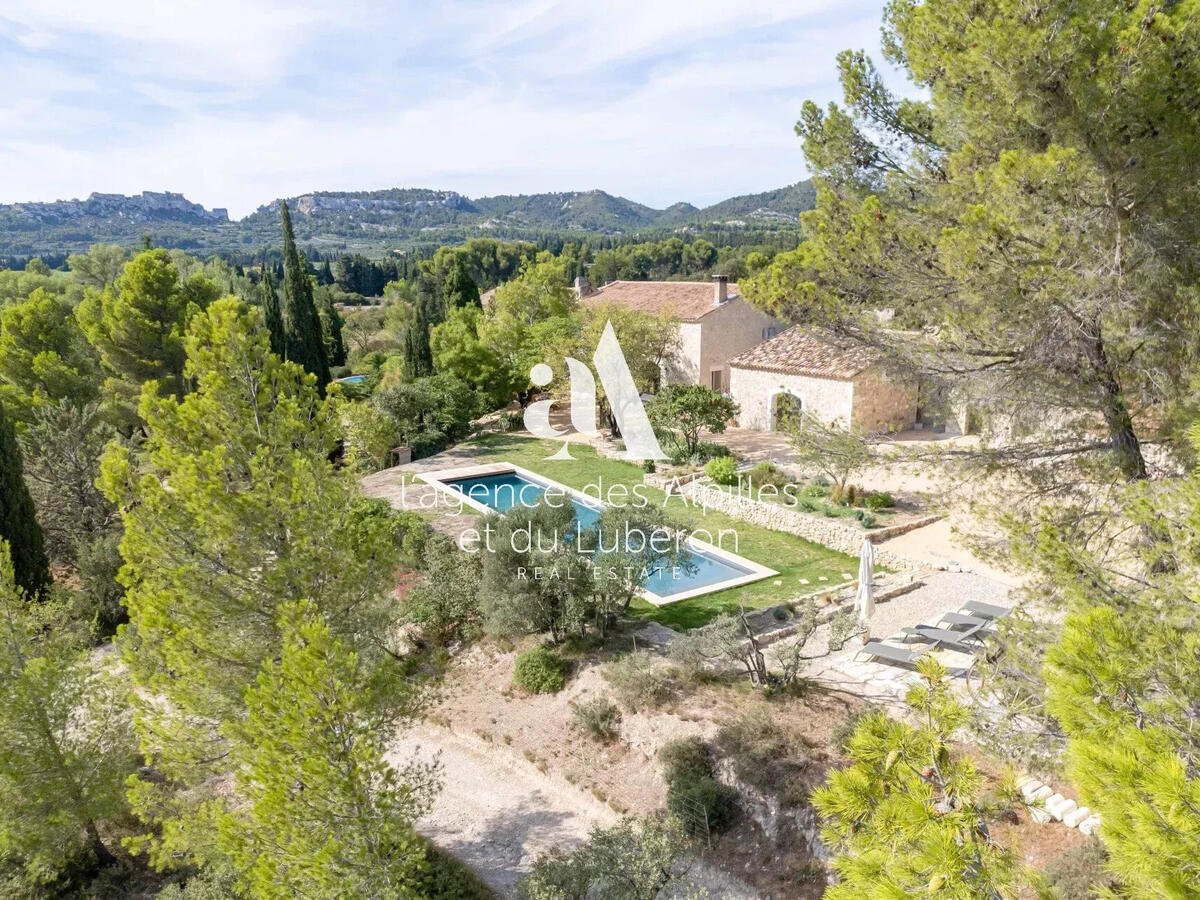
[[720, 289], [583, 287]]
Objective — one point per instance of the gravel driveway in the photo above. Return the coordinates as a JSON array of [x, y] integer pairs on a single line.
[[496, 813]]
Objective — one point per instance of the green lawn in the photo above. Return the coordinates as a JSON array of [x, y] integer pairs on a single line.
[[793, 557]]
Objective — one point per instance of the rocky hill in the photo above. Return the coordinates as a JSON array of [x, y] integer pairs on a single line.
[[369, 221]]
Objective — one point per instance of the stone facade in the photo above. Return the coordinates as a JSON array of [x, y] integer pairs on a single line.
[[683, 365], [732, 328], [884, 402], [708, 343], [873, 399], [756, 391]]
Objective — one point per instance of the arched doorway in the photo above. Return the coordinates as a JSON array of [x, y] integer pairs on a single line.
[[785, 407]]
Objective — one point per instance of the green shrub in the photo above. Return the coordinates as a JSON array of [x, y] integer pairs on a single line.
[[702, 803], [510, 421], [806, 505], [693, 795], [1079, 873], [879, 500], [763, 753], [868, 520], [100, 594], [427, 444], [649, 466], [685, 758], [815, 491], [722, 470], [540, 671], [638, 681], [768, 473], [599, 717], [445, 878], [707, 450]]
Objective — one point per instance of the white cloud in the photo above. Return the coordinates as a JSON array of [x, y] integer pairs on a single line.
[[224, 41], [657, 101]]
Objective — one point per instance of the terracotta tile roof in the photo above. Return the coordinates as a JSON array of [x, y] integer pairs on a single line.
[[687, 301], [809, 351]]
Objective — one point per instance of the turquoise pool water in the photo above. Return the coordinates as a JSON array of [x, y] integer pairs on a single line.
[[504, 491], [352, 379]]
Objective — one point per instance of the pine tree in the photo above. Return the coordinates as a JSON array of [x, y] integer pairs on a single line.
[[272, 316], [304, 343], [66, 745], [18, 522], [231, 511], [909, 817], [1123, 679], [324, 815]]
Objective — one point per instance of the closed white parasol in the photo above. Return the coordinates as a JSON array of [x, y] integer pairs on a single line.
[[864, 602]]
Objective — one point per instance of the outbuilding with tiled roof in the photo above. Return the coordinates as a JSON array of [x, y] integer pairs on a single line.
[[818, 372], [715, 323]]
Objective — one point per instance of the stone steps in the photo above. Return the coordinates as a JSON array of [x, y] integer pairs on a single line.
[[1046, 805]]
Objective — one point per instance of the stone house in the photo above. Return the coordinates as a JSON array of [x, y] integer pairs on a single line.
[[815, 371], [715, 323]]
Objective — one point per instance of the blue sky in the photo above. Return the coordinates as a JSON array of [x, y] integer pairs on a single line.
[[237, 102]]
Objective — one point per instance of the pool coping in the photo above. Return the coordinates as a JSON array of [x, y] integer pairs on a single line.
[[437, 480]]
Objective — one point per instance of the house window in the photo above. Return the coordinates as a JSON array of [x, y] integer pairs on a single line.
[[718, 379], [769, 332]]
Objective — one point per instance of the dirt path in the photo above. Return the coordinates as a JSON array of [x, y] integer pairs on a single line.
[[495, 812]]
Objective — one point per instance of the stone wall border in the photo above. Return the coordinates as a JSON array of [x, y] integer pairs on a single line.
[[819, 529]]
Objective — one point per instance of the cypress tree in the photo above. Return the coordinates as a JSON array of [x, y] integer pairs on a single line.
[[331, 325], [272, 314], [18, 523], [418, 357], [304, 343], [460, 288]]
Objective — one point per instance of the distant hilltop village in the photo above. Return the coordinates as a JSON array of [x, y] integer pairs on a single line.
[[148, 206]]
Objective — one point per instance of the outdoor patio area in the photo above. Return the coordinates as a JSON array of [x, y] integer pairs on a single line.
[[884, 682]]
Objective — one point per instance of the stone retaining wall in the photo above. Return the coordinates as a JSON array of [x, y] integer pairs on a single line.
[[820, 529]]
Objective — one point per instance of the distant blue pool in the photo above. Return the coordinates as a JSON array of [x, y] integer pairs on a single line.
[[697, 570], [352, 379]]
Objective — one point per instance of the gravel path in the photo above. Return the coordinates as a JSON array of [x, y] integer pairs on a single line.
[[495, 813]]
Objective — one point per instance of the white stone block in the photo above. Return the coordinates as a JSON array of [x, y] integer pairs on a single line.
[[1029, 787], [1043, 793], [1075, 816], [1039, 816], [1089, 825], [1059, 806]]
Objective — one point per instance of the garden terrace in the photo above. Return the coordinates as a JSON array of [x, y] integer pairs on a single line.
[[803, 566]]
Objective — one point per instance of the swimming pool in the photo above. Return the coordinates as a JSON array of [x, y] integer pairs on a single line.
[[704, 568], [352, 379]]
